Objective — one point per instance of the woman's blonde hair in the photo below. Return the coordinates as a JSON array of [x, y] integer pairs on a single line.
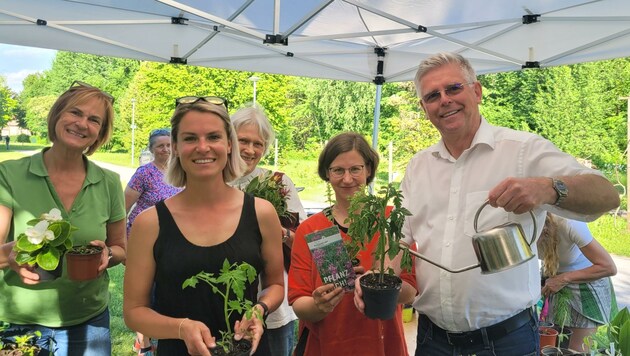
[[548, 247], [175, 174]]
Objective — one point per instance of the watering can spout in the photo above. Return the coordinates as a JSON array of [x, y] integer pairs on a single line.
[[497, 249]]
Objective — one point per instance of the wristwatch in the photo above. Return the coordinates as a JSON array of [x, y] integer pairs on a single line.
[[561, 189]]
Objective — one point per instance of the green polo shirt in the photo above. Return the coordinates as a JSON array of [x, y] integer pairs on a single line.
[[26, 189]]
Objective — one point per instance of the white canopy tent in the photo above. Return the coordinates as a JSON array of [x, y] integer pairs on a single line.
[[356, 40]]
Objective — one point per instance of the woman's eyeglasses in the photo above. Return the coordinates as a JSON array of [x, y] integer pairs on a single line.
[[450, 90], [78, 83], [216, 100], [338, 172]]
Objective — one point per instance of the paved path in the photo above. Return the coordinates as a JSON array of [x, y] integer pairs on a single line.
[[621, 281]]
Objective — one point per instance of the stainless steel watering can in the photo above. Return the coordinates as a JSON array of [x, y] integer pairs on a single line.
[[497, 249]]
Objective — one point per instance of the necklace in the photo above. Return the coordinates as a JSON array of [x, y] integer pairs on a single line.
[[328, 212]]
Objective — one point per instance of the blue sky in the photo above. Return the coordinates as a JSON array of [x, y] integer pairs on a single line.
[[16, 62]]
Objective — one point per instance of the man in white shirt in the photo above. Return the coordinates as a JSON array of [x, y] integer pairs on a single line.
[[444, 185]]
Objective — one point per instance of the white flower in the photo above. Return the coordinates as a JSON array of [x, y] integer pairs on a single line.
[[53, 215], [39, 232]]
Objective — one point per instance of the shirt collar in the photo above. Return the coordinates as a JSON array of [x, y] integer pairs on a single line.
[[37, 167], [483, 136]]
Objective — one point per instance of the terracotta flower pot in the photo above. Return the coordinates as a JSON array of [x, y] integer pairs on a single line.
[[83, 262], [548, 336], [380, 300]]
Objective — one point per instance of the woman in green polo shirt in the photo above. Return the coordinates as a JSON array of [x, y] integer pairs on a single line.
[[72, 316]]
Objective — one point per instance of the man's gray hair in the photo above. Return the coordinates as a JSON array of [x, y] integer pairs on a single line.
[[442, 59]]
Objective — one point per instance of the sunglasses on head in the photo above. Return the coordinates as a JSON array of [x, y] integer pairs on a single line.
[[216, 100], [160, 132], [78, 83]]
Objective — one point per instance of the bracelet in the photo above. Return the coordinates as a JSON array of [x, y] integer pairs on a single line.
[[265, 308], [179, 329], [286, 235]]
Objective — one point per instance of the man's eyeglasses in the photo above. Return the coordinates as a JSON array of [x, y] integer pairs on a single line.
[[338, 172], [78, 83], [216, 100], [450, 90]]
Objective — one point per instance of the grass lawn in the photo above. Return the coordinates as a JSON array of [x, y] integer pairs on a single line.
[[122, 338]]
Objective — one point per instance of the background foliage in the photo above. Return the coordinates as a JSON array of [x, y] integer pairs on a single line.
[[577, 107]]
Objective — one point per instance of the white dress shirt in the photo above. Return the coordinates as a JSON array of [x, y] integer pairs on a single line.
[[443, 194]]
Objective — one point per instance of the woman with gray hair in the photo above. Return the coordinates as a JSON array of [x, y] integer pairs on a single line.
[[255, 136]]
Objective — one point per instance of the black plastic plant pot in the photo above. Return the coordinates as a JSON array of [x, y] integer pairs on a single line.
[[381, 299], [241, 347], [45, 275]]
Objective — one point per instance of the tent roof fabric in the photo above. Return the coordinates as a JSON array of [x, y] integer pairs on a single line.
[[335, 39]]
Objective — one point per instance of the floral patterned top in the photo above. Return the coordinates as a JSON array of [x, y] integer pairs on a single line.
[[149, 181]]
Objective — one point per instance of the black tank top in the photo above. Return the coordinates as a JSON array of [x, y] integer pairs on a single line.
[[177, 259]]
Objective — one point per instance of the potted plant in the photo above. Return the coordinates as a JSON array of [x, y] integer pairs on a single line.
[[232, 277], [19, 345], [548, 337], [562, 316], [612, 338], [44, 243], [269, 186], [368, 218], [83, 261]]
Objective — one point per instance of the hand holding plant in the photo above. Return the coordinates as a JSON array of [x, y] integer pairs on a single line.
[[44, 243], [233, 278], [269, 186]]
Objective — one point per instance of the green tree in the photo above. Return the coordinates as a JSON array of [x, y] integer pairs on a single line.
[[8, 104], [156, 86]]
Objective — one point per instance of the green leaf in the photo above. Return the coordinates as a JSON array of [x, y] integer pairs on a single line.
[[61, 230], [48, 259], [24, 257], [624, 339], [23, 244], [190, 282]]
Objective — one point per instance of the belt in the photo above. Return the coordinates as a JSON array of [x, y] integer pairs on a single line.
[[475, 337]]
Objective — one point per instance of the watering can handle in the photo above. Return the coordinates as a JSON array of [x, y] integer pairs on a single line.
[[530, 213]]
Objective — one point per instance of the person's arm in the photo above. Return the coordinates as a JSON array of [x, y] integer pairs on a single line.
[[589, 194], [117, 242], [294, 204], [603, 264], [272, 278], [131, 197], [5, 223], [139, 273]]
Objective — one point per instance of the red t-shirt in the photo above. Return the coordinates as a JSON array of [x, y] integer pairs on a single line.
[[345, 330]]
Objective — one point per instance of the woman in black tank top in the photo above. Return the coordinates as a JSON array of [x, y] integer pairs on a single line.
[[196, 230]]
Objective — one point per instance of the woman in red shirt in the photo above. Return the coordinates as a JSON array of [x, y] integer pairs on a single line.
[[330, 324]]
